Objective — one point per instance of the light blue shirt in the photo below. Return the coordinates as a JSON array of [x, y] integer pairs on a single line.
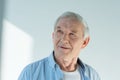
[[48, 69]]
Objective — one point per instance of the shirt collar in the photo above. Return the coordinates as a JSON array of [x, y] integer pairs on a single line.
[[82, 65], [52, 62]]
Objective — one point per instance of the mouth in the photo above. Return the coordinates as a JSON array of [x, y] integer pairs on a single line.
[[64, 47]]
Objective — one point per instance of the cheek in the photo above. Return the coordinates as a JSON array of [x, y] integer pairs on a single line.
[[77, 45]]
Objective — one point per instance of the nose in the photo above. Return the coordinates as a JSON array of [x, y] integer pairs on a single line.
[[65, 39]]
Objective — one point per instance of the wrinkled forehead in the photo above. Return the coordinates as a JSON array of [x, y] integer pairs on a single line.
[[69, 23]]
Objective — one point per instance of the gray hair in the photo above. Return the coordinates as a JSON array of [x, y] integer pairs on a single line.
[[77, 17]]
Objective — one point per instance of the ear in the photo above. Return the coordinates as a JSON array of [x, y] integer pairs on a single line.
[[86, 41], [53, 35]]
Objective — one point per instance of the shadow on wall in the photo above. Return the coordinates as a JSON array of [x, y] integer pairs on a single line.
[[16, 52]]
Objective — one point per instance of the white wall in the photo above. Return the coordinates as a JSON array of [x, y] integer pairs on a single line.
[[35, 20], [1, 26]]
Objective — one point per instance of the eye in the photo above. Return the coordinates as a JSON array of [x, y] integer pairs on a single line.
[[73, 35], [59, 31]]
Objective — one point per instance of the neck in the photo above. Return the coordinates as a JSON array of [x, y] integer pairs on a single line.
[[67, 66]]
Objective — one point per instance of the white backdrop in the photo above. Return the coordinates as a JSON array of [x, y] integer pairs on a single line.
[[28, 26]]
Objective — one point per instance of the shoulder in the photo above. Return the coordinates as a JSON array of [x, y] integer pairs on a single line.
[[32, 68], [88, 68], [36, 64], [91, 72]]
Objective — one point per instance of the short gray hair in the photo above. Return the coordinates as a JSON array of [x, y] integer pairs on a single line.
[[77, 17]]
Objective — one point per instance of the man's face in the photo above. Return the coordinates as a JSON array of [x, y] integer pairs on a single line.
[[68, 38]]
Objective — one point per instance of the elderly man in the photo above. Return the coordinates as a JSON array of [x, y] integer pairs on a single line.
[[70, 36]]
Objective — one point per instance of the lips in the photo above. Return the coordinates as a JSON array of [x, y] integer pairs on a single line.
[[64, 47]]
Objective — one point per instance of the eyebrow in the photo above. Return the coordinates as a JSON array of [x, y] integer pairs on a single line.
[[74, 31], [58, 27]]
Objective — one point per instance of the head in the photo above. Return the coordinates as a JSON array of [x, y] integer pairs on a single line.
[[70, 36]]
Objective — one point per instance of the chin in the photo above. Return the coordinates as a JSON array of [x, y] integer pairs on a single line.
[[65, 52]]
